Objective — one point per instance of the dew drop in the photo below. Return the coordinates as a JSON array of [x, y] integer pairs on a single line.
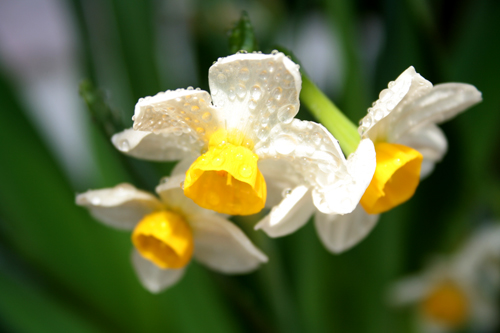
[[241, 91], [231, 94], [164, 180], [252, 105], [221, 78], [177, 131], [277, 92], [182, 185], [207, 116], [286, 113], [200, 130], [263, 75], [263, 133], [218, 161], [286, 192], [246, 171], [285, 144], [195, 108], [244, 74], [239, 157], [256, 92], [124, 145]]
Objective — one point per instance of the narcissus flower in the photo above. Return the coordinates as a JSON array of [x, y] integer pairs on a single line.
[[402, 125], [251, 122], [459, 291], [169, 231]]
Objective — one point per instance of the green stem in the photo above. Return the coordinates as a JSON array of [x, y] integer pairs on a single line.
[[329, 115]]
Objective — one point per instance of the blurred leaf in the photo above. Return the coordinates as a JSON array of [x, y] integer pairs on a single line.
[[86, 262], [242, 36], [106, 119], [21, 301]]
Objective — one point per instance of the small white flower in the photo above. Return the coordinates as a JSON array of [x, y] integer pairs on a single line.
[[250, 123], [168, 231], [402, 125], [458, 291]]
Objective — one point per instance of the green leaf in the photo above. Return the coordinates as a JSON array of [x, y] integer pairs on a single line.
[[107, 119], [242, 36]]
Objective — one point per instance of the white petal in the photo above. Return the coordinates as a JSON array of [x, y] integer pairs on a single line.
[[406, 88], [152, 277], [441, 103], [344, 193], [256, 91], [172, 196], [223, 247], [156, 146], [181, 111], [341, 232], [122, 206], [291, 214], [308, 147], [430, 142], [280, 176], [183, 165]]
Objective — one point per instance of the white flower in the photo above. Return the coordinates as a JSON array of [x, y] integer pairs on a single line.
[[250, 123], [168, 231], [402, 125], [458, 291]]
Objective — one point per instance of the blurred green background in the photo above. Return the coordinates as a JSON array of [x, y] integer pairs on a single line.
[[61, 271]]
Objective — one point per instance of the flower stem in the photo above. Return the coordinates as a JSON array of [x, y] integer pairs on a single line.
[[329, 115]]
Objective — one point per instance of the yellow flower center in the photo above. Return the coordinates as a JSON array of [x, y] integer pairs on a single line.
[[226, 178], [446, 304], [395, 180], [164, 238]]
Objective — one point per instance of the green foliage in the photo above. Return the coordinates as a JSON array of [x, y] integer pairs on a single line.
[[242, 36]]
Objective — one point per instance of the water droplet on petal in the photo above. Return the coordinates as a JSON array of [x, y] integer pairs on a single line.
[[286, 113], [195, 108], [277, 93], [231, 94], [164, 180], [124, 145], [286, 192], [207, 116], [256, 92], [241, 91], [244, 74], [221, 78], [246, 171], [200, 130], [285, 144], [252, 105], [218, 161], [182, 185]]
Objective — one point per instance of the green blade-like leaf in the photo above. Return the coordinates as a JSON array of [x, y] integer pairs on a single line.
[[242, 36]]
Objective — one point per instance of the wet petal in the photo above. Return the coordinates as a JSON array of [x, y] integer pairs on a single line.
[[256, 91], [172, 195], [152, 277], [223, 247], [180, 111], [341, 232], [280, 176], [430, 142], [122, 206], [157, 146], [349, 184], [290, 214]]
